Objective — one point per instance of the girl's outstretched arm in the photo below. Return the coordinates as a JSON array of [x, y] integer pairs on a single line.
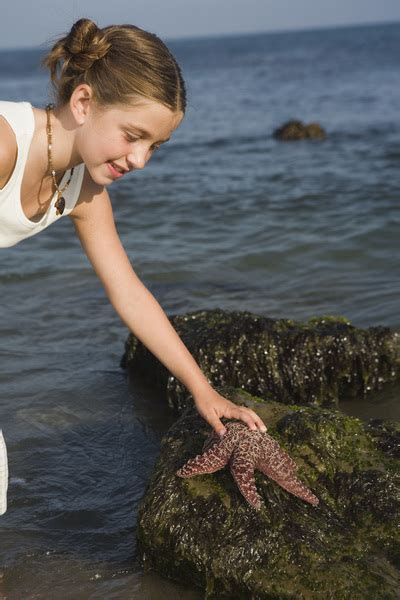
[[139, 310]]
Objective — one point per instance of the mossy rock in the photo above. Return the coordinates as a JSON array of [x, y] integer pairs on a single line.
[[319, 362], [201, 532]]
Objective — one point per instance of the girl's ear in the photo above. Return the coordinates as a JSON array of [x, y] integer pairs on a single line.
[[81, 102]]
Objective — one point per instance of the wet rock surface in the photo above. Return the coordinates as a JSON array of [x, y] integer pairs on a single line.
[[319, 362], [200, 531], [297, 130]]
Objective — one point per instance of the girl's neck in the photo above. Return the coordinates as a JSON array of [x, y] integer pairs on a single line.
[[64, 154]]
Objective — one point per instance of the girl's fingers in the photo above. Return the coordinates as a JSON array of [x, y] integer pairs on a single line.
[[212, 412], [215, 423], [258, 421], [251, 418]]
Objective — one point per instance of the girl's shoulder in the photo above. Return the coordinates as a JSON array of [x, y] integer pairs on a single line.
[[8, 151]]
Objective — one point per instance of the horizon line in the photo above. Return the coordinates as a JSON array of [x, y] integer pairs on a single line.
[[204, 36]]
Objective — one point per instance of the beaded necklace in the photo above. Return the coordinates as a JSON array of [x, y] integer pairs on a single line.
[[60, 202]]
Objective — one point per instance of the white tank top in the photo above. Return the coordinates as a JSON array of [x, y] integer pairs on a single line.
[[14, 224]]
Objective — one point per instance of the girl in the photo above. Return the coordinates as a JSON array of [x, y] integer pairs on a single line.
[[119, 95]]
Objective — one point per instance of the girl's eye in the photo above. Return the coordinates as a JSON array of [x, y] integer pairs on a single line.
[[132, 139]]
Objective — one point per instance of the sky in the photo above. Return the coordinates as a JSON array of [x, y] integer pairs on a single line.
[[24, 23]]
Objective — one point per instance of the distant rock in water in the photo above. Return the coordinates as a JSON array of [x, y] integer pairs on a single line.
[[296, 130]]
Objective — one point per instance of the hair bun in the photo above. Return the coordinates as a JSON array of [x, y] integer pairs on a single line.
[[138, 58], [85, 44]]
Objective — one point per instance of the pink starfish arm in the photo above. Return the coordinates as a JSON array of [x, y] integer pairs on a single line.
[[213, 459], [242, 470], [274, 455], [288, 481]]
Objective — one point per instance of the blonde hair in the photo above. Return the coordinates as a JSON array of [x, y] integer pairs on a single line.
[[118, 62]]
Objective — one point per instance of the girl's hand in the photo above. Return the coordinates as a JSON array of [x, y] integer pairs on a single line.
[[212, 406]]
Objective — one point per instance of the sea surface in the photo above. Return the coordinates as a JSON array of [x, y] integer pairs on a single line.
[[223, 216]]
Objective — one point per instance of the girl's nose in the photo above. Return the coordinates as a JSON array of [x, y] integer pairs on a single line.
[[137, 159]]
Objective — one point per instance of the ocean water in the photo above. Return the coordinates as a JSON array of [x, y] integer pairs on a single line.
[[223, 216]]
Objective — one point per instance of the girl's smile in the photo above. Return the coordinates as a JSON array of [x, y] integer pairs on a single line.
[[116, 173]]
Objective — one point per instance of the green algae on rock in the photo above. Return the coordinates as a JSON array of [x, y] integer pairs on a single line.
[[321, 362], [201, 532]]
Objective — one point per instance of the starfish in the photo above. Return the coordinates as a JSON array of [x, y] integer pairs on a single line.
[[246, 450]]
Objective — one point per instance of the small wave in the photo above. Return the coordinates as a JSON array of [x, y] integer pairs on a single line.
[[223, 142], [14, 277]]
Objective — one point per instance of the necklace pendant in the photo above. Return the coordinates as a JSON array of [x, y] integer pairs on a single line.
[[60, 205]]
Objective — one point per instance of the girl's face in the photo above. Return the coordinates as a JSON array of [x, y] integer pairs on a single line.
[[120, 139]]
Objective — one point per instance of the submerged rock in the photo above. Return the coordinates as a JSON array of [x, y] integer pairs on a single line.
[[201, 532], [322, 361], [296, 130]]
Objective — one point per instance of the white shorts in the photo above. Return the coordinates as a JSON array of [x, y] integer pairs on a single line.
[[3, 475]]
